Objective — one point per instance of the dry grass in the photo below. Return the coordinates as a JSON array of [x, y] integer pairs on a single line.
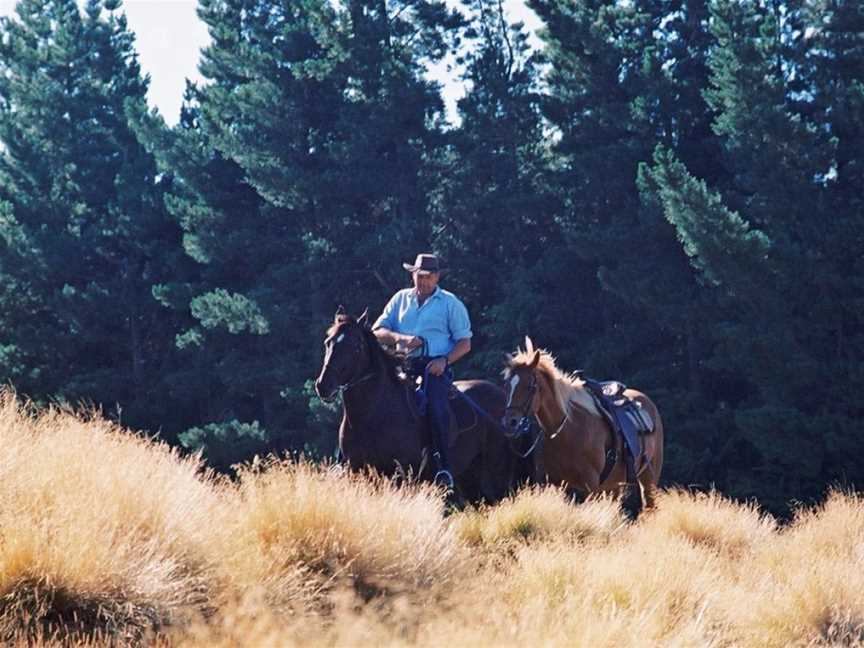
[[296, 531], [710, 521], [806, 587], [109, 538], [538, 514], [99, 530]]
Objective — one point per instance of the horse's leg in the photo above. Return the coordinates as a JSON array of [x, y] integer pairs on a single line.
[[646, 480], [651, 473], [541, 477], [575, 495], [472, 484], [488, 466], [631, 500]]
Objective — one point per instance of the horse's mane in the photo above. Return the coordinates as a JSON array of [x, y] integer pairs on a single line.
[[568, 389], [380, 355]]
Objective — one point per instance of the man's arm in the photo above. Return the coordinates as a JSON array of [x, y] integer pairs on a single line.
[[384, 326], [392, 338], [461, 349], [439, 365]]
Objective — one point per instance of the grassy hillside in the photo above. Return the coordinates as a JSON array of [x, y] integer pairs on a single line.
[[110, 538]]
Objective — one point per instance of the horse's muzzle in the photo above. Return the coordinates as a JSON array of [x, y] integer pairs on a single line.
[[511, 426], [324, 393]]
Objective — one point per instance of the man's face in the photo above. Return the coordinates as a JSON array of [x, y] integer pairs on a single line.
[[425, 284]]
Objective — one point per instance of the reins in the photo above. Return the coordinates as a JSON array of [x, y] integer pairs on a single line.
[[341, 389]]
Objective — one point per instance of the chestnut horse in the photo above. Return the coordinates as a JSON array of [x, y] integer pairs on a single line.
[[577, 438], [382, 429]]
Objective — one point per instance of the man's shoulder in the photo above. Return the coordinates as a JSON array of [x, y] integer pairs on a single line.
[[401, 294], [449, 296]]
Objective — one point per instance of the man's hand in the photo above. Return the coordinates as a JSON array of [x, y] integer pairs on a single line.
[[407, 343], [403, 343], [437, 366], [413, 342]]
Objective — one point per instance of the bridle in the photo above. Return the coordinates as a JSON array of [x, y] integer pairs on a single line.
[[524, 426], [344, 387], [526, 422]]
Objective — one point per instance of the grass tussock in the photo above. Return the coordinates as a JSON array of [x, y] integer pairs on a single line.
[[299, 530], [807, 585], [711, 521], [107, 538], [99, 530], [538, 515]]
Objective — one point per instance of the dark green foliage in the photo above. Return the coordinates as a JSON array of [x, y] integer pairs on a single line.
[[226, 444], [722, 247], [492, 211], [296, 177], [81, 220], [774, 245]]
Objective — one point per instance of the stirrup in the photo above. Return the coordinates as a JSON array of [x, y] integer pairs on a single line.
[[444, 478]]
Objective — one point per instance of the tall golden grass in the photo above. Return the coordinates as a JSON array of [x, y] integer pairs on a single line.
[[109, 538]]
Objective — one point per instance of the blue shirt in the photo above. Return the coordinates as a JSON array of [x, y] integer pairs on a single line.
[[442, 320]]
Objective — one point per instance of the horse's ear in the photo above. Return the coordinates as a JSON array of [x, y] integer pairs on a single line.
[[340, 310], [529, 345], [535, 360], [363, 320]]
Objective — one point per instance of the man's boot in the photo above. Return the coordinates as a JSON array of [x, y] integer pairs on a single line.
[[443, 476]]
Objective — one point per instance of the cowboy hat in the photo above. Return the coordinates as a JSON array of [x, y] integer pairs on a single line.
[[424, 264]]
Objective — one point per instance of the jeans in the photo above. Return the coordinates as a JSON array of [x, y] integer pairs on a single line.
[[437, 390]]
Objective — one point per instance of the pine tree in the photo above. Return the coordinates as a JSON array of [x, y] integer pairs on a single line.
[[84, 229], [493, 214], [222, 365], [296, 179], [779, 289], [624, 77]]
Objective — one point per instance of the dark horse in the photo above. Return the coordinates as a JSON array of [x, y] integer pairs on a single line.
[[381, 427]]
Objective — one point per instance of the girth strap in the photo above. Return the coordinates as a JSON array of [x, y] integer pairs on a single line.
[[611, 458]]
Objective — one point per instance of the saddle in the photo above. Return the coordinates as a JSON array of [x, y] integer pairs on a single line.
[[463, 417], [625, 415]]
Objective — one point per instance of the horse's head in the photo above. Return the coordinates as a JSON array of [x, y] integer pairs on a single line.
[[346, 354], [523, 391]]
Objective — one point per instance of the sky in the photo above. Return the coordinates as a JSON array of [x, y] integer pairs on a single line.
[[169, 38]]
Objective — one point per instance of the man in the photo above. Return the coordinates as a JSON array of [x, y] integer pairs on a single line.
[[433, 322]]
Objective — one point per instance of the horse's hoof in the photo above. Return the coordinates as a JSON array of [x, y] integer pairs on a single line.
[[453, 503], [631, 503]]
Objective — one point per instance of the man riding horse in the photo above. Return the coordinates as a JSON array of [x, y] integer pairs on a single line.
[[433, 326]]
